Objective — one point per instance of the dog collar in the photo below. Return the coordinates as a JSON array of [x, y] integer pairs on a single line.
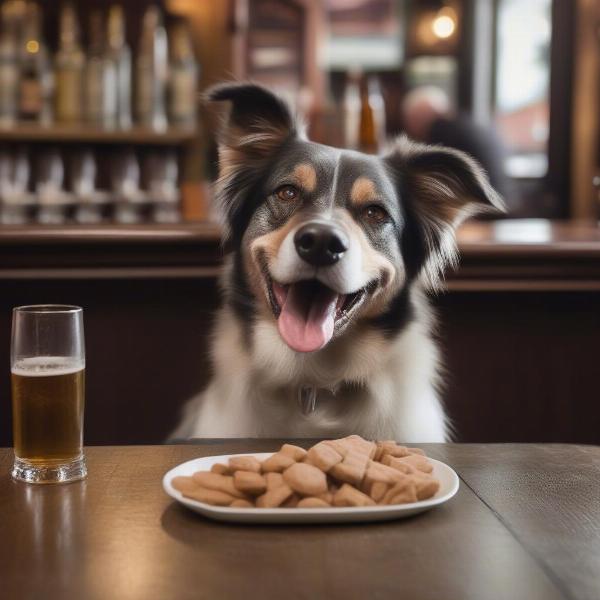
[[307, 398], [309, 394]]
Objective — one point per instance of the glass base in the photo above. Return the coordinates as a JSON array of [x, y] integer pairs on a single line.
[[24, 470]]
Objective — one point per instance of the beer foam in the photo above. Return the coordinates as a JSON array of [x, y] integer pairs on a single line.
[[43, 366]]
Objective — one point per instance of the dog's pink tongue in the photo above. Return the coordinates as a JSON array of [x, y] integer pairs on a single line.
[[307, 317]]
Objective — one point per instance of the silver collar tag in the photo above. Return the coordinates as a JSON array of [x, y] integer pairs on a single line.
[[307, 398]]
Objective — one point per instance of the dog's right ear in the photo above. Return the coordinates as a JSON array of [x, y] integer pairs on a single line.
[[440, 188], [257, 124]]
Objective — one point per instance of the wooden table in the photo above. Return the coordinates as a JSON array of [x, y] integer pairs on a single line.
[[525, 524]]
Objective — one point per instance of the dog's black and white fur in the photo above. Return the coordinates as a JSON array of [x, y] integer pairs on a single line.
[[329, 255]]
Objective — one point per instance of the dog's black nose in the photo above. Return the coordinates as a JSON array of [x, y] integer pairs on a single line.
[[320, 244]]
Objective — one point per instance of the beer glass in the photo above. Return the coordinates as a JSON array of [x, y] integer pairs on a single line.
[[47, 372]]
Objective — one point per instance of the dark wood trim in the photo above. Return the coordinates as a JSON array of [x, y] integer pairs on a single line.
[[109, 234], [466, 53], [585, 155], [561, 90], [85, 134]]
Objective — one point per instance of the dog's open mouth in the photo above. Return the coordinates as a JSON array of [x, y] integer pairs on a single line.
[[307, 312]]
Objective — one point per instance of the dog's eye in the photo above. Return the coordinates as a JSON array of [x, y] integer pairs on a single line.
[[287, 193], [375, 214]]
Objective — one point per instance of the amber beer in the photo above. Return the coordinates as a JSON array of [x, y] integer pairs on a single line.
[[48, 403]]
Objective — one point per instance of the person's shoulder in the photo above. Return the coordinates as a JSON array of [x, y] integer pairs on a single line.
[[463, 127]]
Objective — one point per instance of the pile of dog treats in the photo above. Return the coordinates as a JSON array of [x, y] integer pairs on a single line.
[[347, 472]]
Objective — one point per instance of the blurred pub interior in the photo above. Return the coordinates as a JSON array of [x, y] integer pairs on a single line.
[[107, 154]]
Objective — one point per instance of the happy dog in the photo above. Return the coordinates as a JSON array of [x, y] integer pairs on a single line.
[[325, 328]]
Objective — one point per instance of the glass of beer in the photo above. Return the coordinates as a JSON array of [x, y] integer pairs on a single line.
[[47, 372]]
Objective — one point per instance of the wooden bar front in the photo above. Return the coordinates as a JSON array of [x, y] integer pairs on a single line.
[[519, 325]]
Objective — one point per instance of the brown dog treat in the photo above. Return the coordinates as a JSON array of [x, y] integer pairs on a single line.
[[313, 502], [393, 449], [378, 452], [418, 462], [275, 497], [350, 496], [183, 484], [244, 463], [379, 472], [277, 463], [274, 480], [239, 503], [402, 492], [425, 486], [220, 469], [250, 483], [361, 445], [352, 469], [305, 479], [378, 491], [416, 451], [221, 483], [327, 496], [323, 456], [294, 452], [342, 446], [214, 497], [291, 502], [398, 464]]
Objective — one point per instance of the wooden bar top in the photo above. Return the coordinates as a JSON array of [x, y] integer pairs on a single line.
[[518, 236], [525, 254], [524, 524]]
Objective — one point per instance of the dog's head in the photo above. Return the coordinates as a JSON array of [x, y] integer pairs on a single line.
[[324, 238]]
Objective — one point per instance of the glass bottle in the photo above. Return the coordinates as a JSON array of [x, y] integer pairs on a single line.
[[352, 110], [17, 202], [9, 66], [69, 67], [36, 80], [52, 200], [183, 77], [119, 54], [372, 117], [151, 71], [100, 78]]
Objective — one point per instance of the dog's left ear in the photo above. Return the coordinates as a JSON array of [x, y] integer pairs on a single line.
[[439, 188]]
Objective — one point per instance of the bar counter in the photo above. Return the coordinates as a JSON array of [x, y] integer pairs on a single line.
[[502, 255], [519, 324]]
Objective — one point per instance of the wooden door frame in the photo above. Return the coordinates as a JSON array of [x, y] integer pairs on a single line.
[[585, 159]]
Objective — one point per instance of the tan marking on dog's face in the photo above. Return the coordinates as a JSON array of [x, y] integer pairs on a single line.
[[265, 248], [363, 191], [305, 176]]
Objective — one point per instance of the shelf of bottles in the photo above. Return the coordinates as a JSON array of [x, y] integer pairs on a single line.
[[93, 134]]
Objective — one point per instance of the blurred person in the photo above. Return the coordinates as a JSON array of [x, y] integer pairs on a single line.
[[428, 117]]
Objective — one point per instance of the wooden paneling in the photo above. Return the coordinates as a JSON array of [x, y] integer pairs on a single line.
[[521, 366], [146, 346], [519, 325]]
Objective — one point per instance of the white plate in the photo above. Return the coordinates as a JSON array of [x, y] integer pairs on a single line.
[[448, 487]]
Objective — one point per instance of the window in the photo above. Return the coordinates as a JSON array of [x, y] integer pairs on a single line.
[[521, 86]]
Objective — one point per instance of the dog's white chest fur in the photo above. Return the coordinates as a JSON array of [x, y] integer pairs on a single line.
[[381, 389]]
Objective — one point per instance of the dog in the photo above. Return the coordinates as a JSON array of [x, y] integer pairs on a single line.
[[326, 328]]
